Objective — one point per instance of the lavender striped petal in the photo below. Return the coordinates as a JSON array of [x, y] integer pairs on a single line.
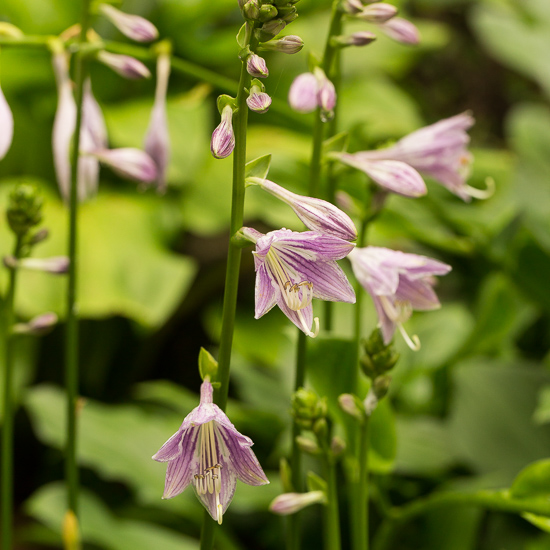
[[265, 292]]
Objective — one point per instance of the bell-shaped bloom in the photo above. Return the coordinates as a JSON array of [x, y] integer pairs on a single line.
[[289, 44], [401, 30], [438, 151], [258, 101], [290, 503], [124, 65], [312, 90], [133, 26], [129, 163], [293, 268], [398, 283], [378, 12], [256, 66], [392, 175], [157, 138], [316, 214], [223, 137], [208, 452], [6, 125]]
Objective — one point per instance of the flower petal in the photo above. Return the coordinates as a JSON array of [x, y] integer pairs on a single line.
[[179, 472], [265, 292], [171, 448], [6, 122]]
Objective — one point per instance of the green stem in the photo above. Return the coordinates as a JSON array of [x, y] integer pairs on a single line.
[[490, 500], [360, 527], [332, 516], [71, 339], [8, 412]]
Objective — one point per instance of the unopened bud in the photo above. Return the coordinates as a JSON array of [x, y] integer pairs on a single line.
[[223, 137], [124, 65], [38, 237], [133, 26], [24, 208], [287, 44], [401, 30], [361, 38], [270, 30], [37, 326], [256, 66], [320, 429], [378, 357], [290, 16], [258, 101], [290, 503], [307, 445], [377, 13], [267, 12], [251, 10], [337, 446], [127, 162], [352, 405], [352, 6]]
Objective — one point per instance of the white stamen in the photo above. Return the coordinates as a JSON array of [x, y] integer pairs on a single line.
[[414, 342], [482, 193]]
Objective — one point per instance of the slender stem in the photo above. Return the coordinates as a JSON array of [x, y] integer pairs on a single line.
[[71, 338], [360, 529], [332, 516], [8, 412], [490, 500]]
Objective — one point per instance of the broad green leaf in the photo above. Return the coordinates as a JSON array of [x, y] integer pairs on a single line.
[[338, 143], [99, 526]]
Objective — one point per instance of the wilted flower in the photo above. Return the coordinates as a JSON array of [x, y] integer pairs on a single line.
[[6, 123], [316, 214], [128, 162], [393, 175], [401, 30], [312, 90], [287, 44], [398, 283], [223, 137], [378, 12], [293, 268], [438, 151], [290, 503], [210, 453], [124, 65], [157, 138], [256, 66], [133, 26]]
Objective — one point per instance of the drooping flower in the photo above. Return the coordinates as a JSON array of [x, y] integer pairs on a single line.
[[438, 151], [157, 137], [208, 452], [312, 90], [290, 503], [124, 65], [128, 162], [316, 214], [133, 26], [223, 137], [56, 265], [401, 30], [398, 283], [293, 268], [6, 125]]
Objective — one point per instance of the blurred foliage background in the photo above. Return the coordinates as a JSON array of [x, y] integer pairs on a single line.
[[468, 411]]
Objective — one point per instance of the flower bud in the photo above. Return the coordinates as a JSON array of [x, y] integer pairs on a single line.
[[290, 16], [133, 26], [302, 95], [38, 237], [378, 357], [124, 65], [287, 44], [267, 12], [223, 137], [258, 101], [57, 265], [128, 162], [320, 428], [6, 124], [352, 405], [337, 446], [256, 66], [37, 326], [307, 445], [290, 503], [251, 10], [361, 38], [401, 30], [326, 95], [270, 30], [24, 209], [377, 13]]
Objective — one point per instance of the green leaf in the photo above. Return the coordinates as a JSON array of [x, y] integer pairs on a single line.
[[99, 526], [208, 366], [338, 143], [258, 168], [542, 412], [316, 482]]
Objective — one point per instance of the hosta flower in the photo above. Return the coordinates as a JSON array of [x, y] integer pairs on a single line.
[[133, 26], [401, 30], [293, 268], [6, 125], [208, 452], [157, 138], [312, 90], [378, 12], [398, 283], [438, 151], [223, 137], [256, 66], [290, 503], [316, 214], [124, 65], [258, 101], [289, 44], [129, 163]]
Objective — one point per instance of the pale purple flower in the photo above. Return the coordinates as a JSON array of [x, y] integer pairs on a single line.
[[133, 26], [128, 162], [56, 265], [360, 38], [290, 503], [401, 30], [289, 44], [157, 138], [392, 175], [37, 326], [258, 101], [353, 6], [378, 12], [208, 452], [438, 151], [256, 66], [124, 65], [312, 90], [223, 137], [398, 283], [293, 268], [6, 126], [316, 214]]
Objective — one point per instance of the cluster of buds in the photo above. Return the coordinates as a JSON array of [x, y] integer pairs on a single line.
[[23, 214], [384, 16], [270, 16]]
